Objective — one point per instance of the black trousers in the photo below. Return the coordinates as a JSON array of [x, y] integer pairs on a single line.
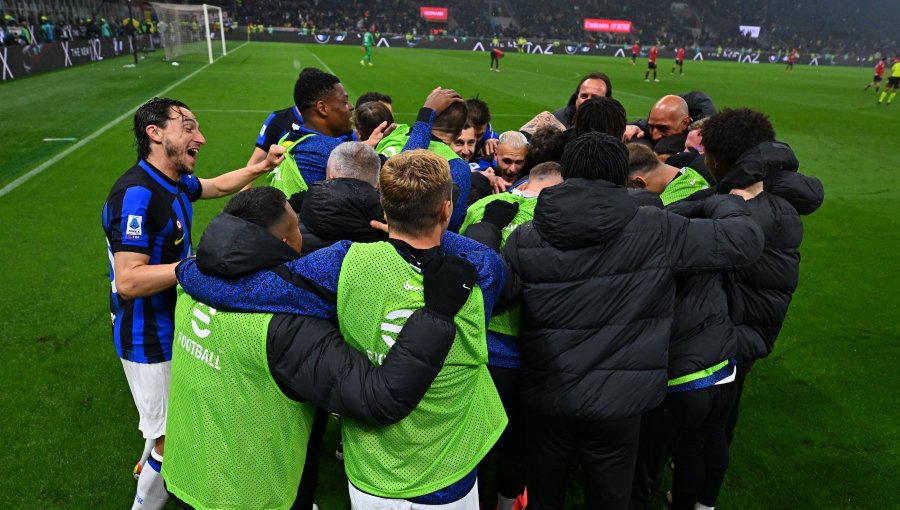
[[494, 60], [688, 416], [705, 459], [509, 451], [306, 491], [605, 449]]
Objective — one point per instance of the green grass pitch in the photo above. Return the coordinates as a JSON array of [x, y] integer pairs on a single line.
[[819, 427]]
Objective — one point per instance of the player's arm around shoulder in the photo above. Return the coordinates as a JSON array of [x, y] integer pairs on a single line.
[[310, 357], [726, 237]]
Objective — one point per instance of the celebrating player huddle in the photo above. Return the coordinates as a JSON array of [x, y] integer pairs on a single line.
[[468, 302]]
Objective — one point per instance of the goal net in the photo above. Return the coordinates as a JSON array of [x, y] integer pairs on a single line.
[[190, 31]]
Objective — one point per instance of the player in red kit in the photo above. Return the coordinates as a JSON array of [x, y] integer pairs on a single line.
[[496, 55], [879, 75], [792, 56], [679, 61], [635, 51], [651, 64]]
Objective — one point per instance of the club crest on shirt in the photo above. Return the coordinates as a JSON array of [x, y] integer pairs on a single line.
[[178, 224], [133, 226]]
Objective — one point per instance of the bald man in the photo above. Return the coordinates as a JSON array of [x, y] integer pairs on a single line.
[[671, 115]]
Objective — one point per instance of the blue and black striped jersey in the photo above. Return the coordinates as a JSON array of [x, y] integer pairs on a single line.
[[278, 124], [148, 213]]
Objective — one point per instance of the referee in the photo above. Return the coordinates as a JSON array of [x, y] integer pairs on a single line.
[[147, 220]]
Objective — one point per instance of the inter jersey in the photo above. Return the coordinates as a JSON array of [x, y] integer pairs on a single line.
[[277, 125], [147, 213]]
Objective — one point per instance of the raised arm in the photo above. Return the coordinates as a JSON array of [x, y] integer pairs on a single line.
[[233, 181]]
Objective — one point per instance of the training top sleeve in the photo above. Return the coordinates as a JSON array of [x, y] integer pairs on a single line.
[[420, 133], [462, 177]]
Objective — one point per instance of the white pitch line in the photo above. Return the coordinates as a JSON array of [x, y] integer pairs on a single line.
[[89, 138], [350, 92], [60, 139]]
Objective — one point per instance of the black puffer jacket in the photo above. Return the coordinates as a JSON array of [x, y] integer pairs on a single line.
[[339, 209], [702, 332], [596, 278], [308, 358], [759, 295]]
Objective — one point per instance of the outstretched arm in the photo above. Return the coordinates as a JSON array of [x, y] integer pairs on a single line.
[[233, 181]]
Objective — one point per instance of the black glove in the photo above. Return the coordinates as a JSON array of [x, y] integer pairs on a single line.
[[296, 201], [448, 283], [500, 212]]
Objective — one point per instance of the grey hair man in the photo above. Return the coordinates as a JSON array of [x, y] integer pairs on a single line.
[[353, 160], [509, 160], [342, 206]]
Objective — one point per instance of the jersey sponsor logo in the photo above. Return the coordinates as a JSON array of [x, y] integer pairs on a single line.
[[204, 318], [390, 328], [408, 286], [197, 350], [134, 226]]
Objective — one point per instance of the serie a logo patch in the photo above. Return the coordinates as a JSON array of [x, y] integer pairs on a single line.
[[134, 226]]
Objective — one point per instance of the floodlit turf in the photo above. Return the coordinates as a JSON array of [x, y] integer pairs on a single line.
[[819, 422]]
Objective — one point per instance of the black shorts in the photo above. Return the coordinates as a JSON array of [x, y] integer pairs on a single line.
[[876, 78], [894, 81], [651, 65], [679, 62]]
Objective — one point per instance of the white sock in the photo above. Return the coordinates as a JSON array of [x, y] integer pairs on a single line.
[[504, 503], [151, 489], [701, 506]]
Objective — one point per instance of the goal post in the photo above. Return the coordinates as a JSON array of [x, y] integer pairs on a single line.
[[191, 31]]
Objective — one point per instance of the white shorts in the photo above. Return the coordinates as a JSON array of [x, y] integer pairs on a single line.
[[149, 383], [359, 500]]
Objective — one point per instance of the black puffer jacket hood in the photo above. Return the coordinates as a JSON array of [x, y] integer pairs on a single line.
[[232, 247], [757, 164], [339, 209], [602, 213]]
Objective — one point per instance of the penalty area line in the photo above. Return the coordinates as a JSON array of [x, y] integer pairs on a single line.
[[89, 138]]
